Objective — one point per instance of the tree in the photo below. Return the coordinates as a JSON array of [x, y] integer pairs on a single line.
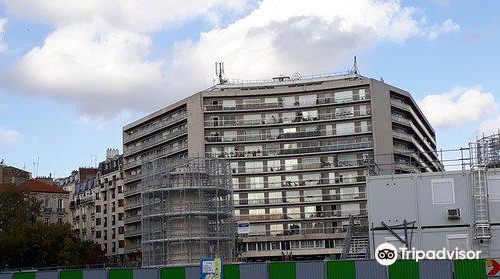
[[47, 245], [16, 209]]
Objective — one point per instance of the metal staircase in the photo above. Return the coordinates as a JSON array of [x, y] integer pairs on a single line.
[[356, 243]]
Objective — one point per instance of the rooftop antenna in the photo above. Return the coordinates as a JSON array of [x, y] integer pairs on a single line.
[[355, 69], [219, 71]]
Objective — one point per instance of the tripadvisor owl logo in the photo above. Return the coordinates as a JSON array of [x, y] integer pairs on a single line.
[[386, 254]]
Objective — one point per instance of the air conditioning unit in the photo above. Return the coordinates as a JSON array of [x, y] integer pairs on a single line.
[[454, 213]]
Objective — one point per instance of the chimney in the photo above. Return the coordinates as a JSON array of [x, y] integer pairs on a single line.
[[111, 153]]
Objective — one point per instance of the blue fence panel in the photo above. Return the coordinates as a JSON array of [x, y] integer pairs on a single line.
[[147, 273], [370, 269], [310, 270], [436, 269], [95, 274], [5, 275], [47, 275], [193, 272], [253, 271]]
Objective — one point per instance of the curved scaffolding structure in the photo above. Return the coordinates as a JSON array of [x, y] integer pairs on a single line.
[[186, 211]]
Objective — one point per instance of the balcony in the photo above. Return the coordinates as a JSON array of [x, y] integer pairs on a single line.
[[300, 167], [61, 211], [280, 104], [133, 204], [132, 219], [165, 152], [302, 231], [47, 210], [160, 125], [407, 107], [156, 141], [330, 214], [131, 192], [300, 184], [286, 120], [290, 151], [286, 136], [134, 232], [302, 200]]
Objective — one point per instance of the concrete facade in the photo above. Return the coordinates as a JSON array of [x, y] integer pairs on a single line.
[[299, 152], [426, 199]]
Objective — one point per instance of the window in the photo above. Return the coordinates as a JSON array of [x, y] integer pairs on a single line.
[[230, 135], [292, 196], [364, 126], [362, 110], [59, 221], [289, 117], [46, 203], [47, 221], [289, 130], [443, 191], [291, 164], [460, 241], [350, 208], [228, 104], [343, 96], [345, 128], [252, 119], [275, 197], [288, 102], [344, 112], [253, 167], [308, 100], [309, 114], [362, 94], [256, 182], [60, 204]]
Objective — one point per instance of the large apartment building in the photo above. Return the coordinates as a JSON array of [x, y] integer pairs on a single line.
[[299, 151]]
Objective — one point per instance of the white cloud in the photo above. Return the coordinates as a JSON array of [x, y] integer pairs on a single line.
[[449, 26], [459, 106], [489, 127], [132, 15], [8, 137], [99, 56], [3, 46]]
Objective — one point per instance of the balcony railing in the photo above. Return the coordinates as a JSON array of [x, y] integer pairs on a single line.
[[301, 183], [301, 231], [407, 107], [290, 151], [281, 136], [301, 199], [282, 104], [300, 166], [286, 120], [134, 218], [301, 216], [159, 125], [155, 141], [164, 152]]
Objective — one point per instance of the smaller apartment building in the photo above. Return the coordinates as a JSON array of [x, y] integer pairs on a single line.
[[55, 201], [98, 207]]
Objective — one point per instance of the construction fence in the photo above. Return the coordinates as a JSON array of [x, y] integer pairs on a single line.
[[359, 269]]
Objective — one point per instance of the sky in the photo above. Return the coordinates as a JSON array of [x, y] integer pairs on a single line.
[[73, 73]]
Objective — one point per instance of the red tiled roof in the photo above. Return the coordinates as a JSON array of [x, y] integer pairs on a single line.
[[37, 186]]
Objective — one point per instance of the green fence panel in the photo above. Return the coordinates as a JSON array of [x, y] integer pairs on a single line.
[[24, 275], [470, 269], [121, 273], [173, 273], [341, 270], [282, 271], [71, 274], [404, 269], [231, 271]]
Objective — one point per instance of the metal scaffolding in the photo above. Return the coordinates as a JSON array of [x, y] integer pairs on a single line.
[[186, 211]]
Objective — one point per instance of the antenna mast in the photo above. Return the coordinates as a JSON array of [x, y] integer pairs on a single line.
[[355, 69], [219, 72]]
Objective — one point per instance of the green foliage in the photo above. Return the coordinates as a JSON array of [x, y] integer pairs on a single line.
[[26, 243], [49, 245], [16, 209]]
